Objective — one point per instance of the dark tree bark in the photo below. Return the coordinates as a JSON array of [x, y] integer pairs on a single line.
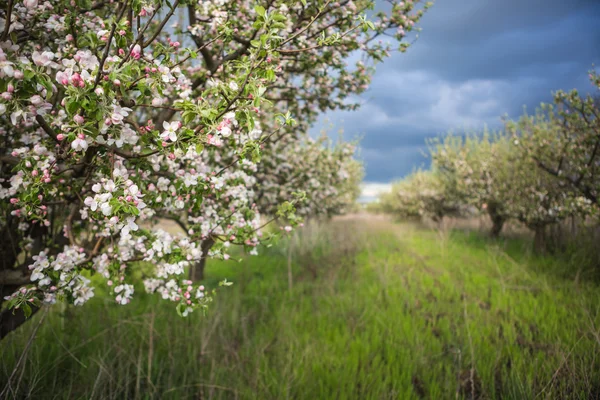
[[197, 270], [9, 320], [539, 239], [12, 274], [15, 274], [497, 218], [438, 218], [497, 226]]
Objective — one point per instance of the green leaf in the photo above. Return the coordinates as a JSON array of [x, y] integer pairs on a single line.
[[279, 17], [26, 310], [187, 117], [260, 10], [72, 107], [134, 210], [48, 85]]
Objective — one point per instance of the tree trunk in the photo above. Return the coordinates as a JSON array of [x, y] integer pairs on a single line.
[[497, 225], [9, 251], [197, 270], [13, 276], [498, 220], [438, 220], [539, 239], [10, 321]]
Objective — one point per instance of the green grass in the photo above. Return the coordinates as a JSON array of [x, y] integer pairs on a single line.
[[375, 312]]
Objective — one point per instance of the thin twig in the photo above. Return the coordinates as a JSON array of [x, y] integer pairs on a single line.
[[162, 25], [47, 128], [140, 38], [307, 26], [108, 43]]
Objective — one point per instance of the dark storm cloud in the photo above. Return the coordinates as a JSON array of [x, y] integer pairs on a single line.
[[513, 52], [390, 161], [474, 61]]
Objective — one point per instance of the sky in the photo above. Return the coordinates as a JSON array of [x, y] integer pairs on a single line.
[[474, 61]]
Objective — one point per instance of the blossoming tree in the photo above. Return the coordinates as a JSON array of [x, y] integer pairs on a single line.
[[328, 174], [109, 122], [564, 140], [494, 174], [544, 199], [424, 193], [477, 165]]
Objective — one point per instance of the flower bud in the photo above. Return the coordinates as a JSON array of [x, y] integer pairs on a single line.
[[36, 100], [31, 4]]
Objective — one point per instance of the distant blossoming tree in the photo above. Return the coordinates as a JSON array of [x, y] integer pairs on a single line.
[[477, 165], [422, 194], [564, 140]]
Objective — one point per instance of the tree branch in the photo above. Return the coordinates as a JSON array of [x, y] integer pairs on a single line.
[[13, 277], [9, 8], [107, 48], [162, 25], [47, 128]]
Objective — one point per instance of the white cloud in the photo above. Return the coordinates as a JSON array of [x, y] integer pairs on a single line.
[[426, 103], [441, 105], [371, 190]]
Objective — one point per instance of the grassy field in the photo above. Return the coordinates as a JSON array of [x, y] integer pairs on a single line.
[[371, 310]]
